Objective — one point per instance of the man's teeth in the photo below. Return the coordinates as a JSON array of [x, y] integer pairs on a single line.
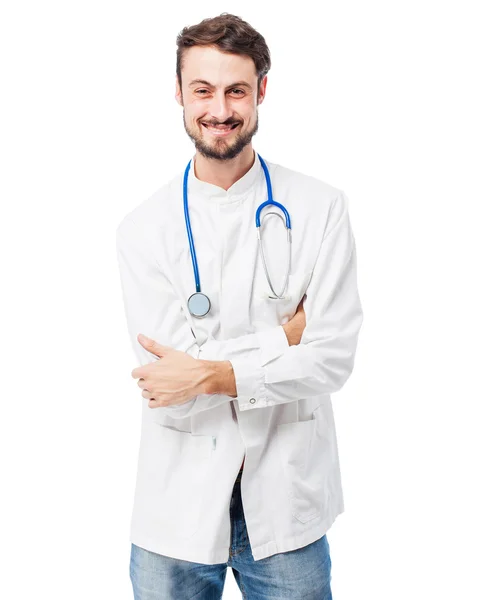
[[219, 127]]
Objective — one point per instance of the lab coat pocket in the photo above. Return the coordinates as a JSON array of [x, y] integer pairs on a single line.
[[305, 448], [172, 474]]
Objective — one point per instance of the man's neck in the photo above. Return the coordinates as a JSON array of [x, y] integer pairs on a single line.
[[224, 173]]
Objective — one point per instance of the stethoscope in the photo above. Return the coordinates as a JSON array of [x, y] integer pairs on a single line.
[[198, 303]]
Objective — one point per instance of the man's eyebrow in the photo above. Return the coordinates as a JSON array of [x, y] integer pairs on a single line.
[[204, 82]]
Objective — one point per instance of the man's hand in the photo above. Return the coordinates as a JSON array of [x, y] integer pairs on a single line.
[[178, 377], [294, 327], [174, 379]]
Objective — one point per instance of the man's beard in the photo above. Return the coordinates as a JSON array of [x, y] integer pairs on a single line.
[[219, 149]]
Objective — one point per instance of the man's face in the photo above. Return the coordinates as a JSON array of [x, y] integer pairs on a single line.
[[219, 98]]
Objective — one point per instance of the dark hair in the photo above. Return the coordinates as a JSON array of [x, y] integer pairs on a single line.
[[229, 34]]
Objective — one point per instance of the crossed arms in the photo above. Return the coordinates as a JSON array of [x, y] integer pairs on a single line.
[[265, 364]]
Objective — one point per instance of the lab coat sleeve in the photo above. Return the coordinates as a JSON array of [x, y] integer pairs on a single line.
[[324, 359], [153, 308]]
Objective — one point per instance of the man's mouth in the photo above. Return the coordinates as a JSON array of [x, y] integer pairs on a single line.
[[219, 129]]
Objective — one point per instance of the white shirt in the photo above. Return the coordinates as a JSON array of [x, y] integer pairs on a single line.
[[282, 418]]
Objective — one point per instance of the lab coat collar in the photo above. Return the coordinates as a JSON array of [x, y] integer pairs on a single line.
[[217, 194]]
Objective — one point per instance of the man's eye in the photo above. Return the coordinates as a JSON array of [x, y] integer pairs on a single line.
[[236, 92]]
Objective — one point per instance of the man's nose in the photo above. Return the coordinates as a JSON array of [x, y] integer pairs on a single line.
[[219, 108]]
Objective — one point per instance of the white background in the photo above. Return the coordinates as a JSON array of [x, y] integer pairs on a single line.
[[377, 98]]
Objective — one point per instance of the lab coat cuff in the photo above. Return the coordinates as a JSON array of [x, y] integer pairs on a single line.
[[272, 343], [250, 388], [250, 372]]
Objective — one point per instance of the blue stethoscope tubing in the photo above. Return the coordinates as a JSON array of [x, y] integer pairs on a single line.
[[198, 303]]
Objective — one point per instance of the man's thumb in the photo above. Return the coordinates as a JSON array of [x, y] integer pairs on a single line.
[[151, 345]]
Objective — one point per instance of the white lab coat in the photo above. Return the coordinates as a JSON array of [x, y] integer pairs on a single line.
[[282, 418]]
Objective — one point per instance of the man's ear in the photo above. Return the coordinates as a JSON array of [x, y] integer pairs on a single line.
[[262, 89], [178, 94]]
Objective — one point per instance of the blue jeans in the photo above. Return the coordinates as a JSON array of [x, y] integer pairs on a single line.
[[303, 573]]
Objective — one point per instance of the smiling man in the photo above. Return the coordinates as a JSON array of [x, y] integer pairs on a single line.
[[238, 464], [221, 111], [224, 137]]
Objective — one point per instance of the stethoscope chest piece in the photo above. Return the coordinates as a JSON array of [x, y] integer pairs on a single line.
[[199, 305]]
